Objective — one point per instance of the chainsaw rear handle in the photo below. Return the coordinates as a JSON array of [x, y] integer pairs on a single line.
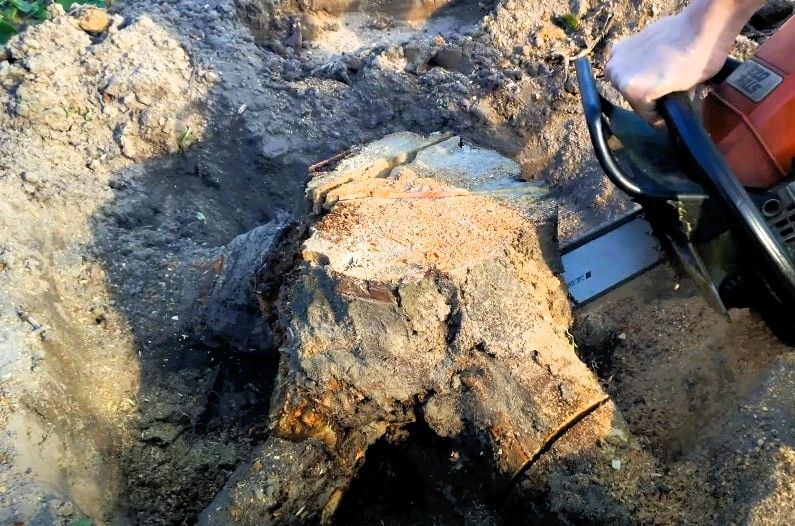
[[687, 131]]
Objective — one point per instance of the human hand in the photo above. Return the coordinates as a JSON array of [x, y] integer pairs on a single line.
[[676, 53]]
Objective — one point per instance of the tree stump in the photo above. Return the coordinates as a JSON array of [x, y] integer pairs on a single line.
[[427, 289]]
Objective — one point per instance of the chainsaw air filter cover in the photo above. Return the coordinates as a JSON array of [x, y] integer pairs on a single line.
[[751, 114]]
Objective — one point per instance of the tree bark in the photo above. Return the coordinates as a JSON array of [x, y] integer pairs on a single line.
[[426, 290]]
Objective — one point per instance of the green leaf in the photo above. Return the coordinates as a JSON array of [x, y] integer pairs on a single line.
[[10, 14], [6, 31], [24, 6], [570, 22], [40, 14], [85, 521]]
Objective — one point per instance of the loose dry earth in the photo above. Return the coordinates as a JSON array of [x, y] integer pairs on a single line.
[[132, 156]]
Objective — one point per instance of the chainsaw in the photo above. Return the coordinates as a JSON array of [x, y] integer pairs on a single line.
[[715, 188]]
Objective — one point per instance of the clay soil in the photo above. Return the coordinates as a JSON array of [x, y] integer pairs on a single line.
[[128, 154]]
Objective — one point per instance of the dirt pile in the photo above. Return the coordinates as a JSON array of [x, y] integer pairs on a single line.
[[75, 109]]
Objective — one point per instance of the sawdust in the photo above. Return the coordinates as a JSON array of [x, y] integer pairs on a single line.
[[416, 232]]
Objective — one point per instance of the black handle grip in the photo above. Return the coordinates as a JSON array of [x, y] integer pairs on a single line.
[[595, 108], [592, 108], [683, 123], [598, 111]]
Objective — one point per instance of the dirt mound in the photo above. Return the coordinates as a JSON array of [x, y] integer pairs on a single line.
[[76, 109]]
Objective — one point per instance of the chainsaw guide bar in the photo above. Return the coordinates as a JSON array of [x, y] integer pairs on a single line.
[[609, 257]]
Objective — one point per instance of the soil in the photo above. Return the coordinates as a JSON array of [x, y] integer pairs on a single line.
[[132, 152]]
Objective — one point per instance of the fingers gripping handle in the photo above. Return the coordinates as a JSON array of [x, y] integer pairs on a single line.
[[592, 107]]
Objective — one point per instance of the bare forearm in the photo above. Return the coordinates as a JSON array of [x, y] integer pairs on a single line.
[[721, 19], [677, 52]]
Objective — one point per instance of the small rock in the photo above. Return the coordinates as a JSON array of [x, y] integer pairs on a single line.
[[274, 146], [394, 52], [566, 392], [616, 464], [455, 382], [30, 177], [412, 52], [277, 48], [450, 58], [6, 258], [94, 21], [570, 86], [616, 437], [292, 70], [160, 433], [381, 23], [483, 112]]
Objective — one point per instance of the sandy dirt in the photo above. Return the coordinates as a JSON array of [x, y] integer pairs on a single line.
[[131, 154]]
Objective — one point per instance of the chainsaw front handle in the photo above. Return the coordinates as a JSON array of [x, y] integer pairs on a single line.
[[592, 107], [597, 109]]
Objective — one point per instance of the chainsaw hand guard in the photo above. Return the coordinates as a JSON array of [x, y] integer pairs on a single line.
[[680, 169]]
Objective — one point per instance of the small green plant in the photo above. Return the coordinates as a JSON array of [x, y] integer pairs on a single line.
[[16, 14], [85, 521], [569, 22]]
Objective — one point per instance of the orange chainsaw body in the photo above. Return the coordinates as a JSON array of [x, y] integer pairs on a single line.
[[751, 115]]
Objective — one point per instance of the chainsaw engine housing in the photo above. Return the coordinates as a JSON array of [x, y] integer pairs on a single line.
[[750, 115], [751, 118], [717, 187]]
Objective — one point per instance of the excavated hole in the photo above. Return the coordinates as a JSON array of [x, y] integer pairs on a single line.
[[419, 478]]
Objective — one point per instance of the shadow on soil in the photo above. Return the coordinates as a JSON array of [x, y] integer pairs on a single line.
[[200, 408]]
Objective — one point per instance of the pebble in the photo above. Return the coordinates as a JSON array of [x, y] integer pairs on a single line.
[[30, 177], [616, 437], [455, 382], [94, 21], [616, 464]]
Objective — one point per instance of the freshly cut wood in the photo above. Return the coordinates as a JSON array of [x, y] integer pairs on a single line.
[[427, 288]]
